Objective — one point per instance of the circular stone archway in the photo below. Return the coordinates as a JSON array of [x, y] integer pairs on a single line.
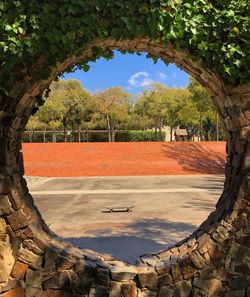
[[213, 261]]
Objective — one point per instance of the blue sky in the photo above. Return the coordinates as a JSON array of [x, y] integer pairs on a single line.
[[132, 72]]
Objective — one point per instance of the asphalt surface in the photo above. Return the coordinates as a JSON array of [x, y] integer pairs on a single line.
[[164, 210]]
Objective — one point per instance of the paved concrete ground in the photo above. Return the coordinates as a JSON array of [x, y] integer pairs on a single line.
[[165, 210]]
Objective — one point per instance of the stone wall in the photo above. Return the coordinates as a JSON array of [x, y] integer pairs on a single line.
[[213, 261]]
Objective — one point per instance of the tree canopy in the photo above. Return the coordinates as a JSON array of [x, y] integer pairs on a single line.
[[71, 108], [45, 33]]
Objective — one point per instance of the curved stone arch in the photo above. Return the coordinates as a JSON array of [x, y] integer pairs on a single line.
[[204, 264]]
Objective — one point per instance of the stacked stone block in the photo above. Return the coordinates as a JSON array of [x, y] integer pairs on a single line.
[[213, 261]]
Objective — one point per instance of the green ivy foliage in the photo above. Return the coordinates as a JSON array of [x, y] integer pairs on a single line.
[[215, 31]]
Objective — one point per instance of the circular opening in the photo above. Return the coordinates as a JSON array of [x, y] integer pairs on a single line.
[[93, 212]]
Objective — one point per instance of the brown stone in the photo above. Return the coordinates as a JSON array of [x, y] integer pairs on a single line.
[[162, 268], [165, 280], [123, 273], [214, 288], [187, 271], [114, 289], [63, 263], [181, 289], [15, 198], [17, 292], [32, 292], [30, 258], [3, 272], [148, 278], [5, 206], [197, 260], [176, 273], [12, 283], [28, 243], [2, 226], [129, 290], [18, 219], [19, 270]]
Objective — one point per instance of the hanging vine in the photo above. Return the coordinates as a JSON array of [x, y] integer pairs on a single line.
[[213, 31]]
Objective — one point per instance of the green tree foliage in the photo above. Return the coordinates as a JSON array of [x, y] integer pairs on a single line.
[[70, 107], [162, 106], [203, 105], [112, 106], [48, 32]]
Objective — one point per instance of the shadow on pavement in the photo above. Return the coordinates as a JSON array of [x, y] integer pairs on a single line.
[[144, 236]]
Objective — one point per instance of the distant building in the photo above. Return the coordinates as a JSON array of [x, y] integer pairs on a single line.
[[181, 135], [177, 134]]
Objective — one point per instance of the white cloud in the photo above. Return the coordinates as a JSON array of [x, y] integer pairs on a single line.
[[162, 75], [134, 79], [146, 82]]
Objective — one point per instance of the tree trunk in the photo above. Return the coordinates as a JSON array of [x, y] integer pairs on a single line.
[[171, 133], [109, 129], [200, 127], [217, 126], [64, 133], [31, 136], [53, 136]]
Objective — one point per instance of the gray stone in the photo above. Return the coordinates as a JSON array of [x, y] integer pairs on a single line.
[[34, 278], [207, 273], [237, 283], [59, 280], [240, 253], [146, 293], [50, 259], [165, 292], [123, 273], [182, 289], [248, 292], [102, 277], [165, 280], [99, 291], [236, 293]]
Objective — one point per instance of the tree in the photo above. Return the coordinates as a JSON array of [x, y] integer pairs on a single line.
[[112, 106], [74, 102], [151, 105], [162, 105], [202, 101]]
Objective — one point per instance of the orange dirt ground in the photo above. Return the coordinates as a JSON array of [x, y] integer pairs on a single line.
[[123, 159]]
